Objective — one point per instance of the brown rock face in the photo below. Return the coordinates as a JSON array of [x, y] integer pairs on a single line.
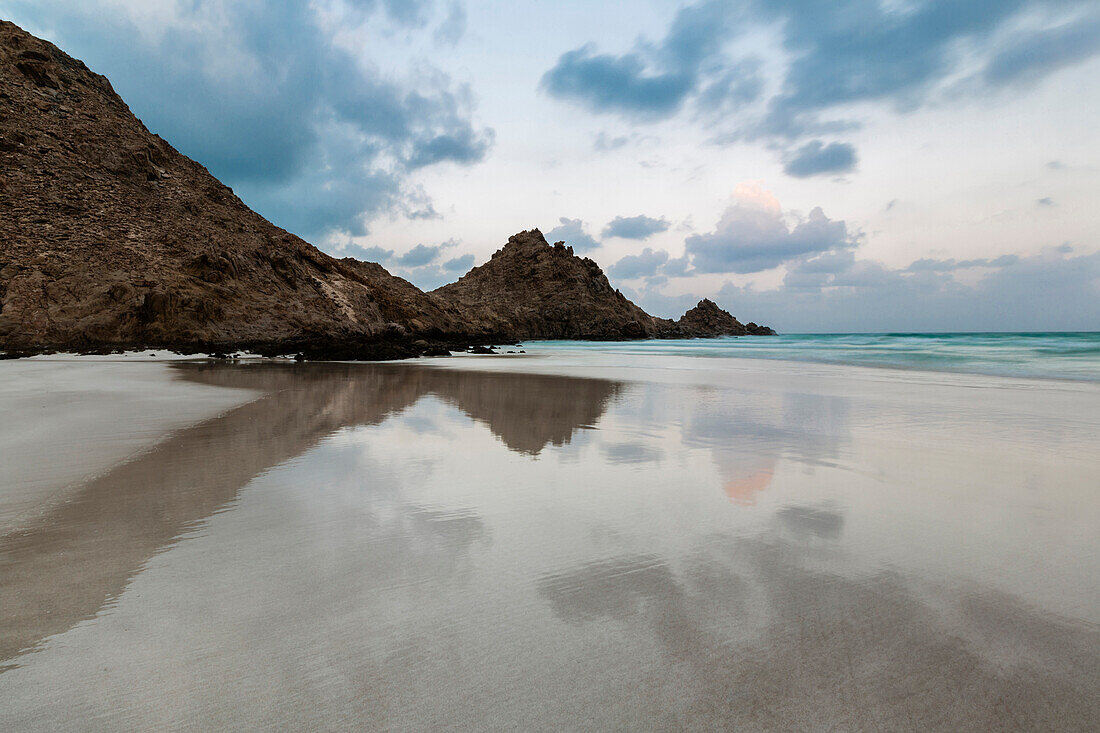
[[111, 238], [533, 290], [707, 319]]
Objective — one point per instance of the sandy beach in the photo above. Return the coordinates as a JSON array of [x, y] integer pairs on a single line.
[[550, 541]]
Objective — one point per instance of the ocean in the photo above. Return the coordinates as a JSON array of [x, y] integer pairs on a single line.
[[1051, 355]]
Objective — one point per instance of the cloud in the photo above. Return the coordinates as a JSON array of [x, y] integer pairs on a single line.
[[1031, 56], [422, 267], [635, 227], [1013, 294], [932, 265], [572, 232], [367, 254], [463, 146], [453, 27], [423, 254], [315, 138], [754, 235], [462, 263], [616, 84], [839, 54], [644, 264], [651, 81], [814, 158], [604, 142], [731, 89], [676, 266]]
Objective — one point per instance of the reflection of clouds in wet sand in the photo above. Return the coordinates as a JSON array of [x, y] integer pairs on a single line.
[[757, 638], [806, 426], [399, 547], [743, 489], [81, 555], [807, 522], [745, 434]]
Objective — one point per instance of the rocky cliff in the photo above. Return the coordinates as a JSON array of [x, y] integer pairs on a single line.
[[109, 238], [531, 289], [112, 239]]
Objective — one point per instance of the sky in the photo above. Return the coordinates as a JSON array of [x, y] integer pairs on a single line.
[[855, 165]]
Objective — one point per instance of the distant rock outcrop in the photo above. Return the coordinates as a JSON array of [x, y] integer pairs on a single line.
[[707, 319], [533, 290], [112, 239]]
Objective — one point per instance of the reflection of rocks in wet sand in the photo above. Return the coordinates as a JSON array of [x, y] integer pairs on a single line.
[[526, 411], [812, 649], [79, 556]]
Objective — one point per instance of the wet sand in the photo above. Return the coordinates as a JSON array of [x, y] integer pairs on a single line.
[[559, 542], [65, 419]]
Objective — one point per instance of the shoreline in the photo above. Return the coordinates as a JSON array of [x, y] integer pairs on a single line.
[[1072, 356], [68, 420], [726, 527]]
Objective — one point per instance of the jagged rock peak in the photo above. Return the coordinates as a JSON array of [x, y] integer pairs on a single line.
[[707, 319], [532, 289]]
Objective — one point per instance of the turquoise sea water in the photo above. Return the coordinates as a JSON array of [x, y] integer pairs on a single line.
[[1057, 355]]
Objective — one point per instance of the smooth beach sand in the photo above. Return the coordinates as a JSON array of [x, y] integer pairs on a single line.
[[577, 541], [67, 418]]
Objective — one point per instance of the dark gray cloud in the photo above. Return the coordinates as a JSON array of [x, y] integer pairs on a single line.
[[815, 158], [423, 254], [751, 239], [730, 90], [572, 232], [616, 84], [307, 133], [1030, 56], [462, 263], [423, 265], [651, 81], [367, 254], [644, 264], [842, 53], [635, 227], [464, 146]]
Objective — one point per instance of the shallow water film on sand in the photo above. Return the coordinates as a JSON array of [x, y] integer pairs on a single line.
[[483, 544]]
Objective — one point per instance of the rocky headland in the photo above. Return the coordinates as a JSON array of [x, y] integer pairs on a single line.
[[111, 239]]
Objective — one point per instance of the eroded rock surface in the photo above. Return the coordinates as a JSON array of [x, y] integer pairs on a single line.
[[531, 289], [707, 319], [112, 239]]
